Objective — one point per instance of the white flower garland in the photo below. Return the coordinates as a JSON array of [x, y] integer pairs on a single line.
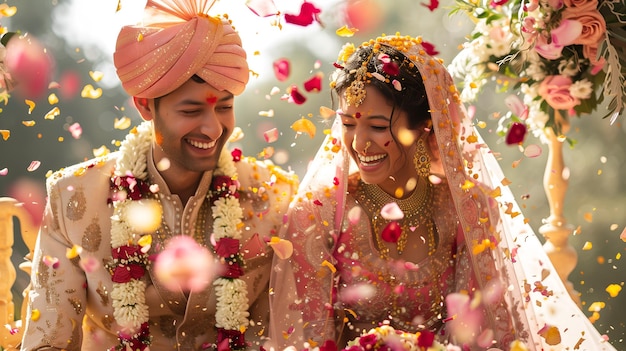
[[128, 299]]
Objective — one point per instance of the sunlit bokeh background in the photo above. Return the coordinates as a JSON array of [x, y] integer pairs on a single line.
[[80, 35]]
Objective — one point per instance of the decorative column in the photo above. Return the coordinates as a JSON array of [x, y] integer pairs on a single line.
[[555, 229]]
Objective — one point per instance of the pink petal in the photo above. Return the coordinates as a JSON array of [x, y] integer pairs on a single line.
[[485, 339], [282, 69], [391, 233], [76, 130], [355, 293], [262, 8], [566, 33], [532, 151], [89, 264], [430, 48], [623, 235], [355, 214], [185, 265], [515, 104], [392, 212], [4, 171], [551, 51], [282, 248], [29, 64], [271, 135]]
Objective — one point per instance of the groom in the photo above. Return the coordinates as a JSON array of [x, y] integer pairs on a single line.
[[93, 287]]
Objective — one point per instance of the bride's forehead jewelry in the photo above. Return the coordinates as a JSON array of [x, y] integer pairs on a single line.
[[386, 66]]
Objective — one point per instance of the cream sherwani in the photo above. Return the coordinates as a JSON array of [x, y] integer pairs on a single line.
[[70, 308]]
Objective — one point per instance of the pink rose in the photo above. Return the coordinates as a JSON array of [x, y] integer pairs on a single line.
[[592, 21], [555, 90]]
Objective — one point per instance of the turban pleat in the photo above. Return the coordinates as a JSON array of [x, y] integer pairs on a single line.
[[155, 60]]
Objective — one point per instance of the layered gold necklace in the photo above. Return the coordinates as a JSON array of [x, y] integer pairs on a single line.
[[416, 208]]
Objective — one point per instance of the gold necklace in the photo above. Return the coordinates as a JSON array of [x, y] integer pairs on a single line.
[[416, 211]]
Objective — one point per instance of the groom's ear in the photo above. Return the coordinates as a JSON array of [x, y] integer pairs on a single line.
[[145, 108]]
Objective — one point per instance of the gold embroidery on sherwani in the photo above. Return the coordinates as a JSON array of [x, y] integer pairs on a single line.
[[75, 302], [77, 205], [93, 236], [107, 321], [103, 293], [54, 200]]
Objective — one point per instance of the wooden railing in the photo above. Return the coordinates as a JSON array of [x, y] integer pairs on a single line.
[[10, 329]]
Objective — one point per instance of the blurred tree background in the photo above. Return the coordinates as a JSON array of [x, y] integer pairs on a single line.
[[80, 36]]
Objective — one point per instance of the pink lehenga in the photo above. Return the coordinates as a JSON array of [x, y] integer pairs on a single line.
[[335, 285]]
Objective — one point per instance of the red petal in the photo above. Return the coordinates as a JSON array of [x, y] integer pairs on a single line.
[[430, 48], [308, 14], [391, 233], [516, 133], [314, 83], [296, 97], [282, 69]]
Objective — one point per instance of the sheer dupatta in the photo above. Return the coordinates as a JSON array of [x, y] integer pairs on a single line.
[[515, 284]]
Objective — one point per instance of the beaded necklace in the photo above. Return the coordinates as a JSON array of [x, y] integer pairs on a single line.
[[415, 208]]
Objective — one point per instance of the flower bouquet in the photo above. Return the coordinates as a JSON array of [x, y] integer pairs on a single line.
[[565, 56], [386, 338]]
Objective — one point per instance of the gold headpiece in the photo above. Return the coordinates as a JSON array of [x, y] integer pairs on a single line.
[[386, 69]]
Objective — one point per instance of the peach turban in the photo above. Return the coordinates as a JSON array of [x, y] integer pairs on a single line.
[[155, 59]]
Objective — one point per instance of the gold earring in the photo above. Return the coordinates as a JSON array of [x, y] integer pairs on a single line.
[[421, 159]]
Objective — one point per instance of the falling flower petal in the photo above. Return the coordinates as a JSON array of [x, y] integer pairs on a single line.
[[96, 75], [53, 99], [52, 262], [516, 133], [358, 292], [31, 105], [268, 113], [89, 92], [623, 235], [73, 252], [35, 314], [237, 135], [305, 126], [33, 166], [28, 123], [52, 113], [4, 171], [392, 212], [89, 264], [295, 96], [432, 6], [551, 334], [346, 32], [7, 11], [515, 104], [587, 246], [613, 289], [282, 69], [262, 8], [5, 134], [532, 151], [326, 112], [430, 48], [354, 215], [314, 83], [365, 15], [184, 264], [76, 130], [29, 64], [271, 135], [121, 123], [392, 232], [282, 248], [308, 14]]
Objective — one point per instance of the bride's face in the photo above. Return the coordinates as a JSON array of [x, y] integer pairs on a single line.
[[381, 146]]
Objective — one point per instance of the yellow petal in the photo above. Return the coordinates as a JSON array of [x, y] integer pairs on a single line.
[[7, 11], [346, 32], [330, 266], [468, 185], [52, 113], [5, 133], [28, 123], [101, 151], [121, 123], [282, 248], [304, 125], [73, 252], [613, 289], [90, 93], [326, 112], [31, 105], [34, 315], [96, 75], [53, 99], [588, 246]]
